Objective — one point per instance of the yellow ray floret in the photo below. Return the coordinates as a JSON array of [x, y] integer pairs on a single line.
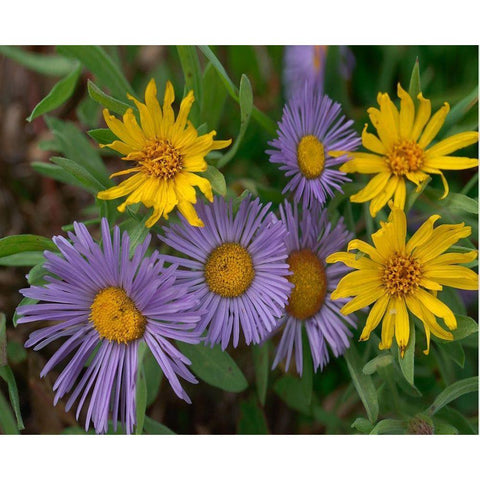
[[401, 152], [166, 153], [399, 276]]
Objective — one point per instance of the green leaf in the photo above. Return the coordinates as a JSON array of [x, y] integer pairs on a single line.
[[451, 297], [216, 178], [141, 392], [452, 392], [36, 274], [381, 360], [252, 420], [193, 76], [102, 136], [246, 105], [25, 243], [389, 427], [24, 259], [455, 351], [442, 428], [55, 172], [214, 367], [153, 427], [362, 425], [54, 65], [95, 59], [214, 96], [363, 384], [307, 370], [263, 120], [112, 104], [7, 421], [459, 111], [59, 94], [137, 231], [3, 340], [25, 301], [261, 365], [453, 201], [414, 87], [88, 181], [466, 326], [290, 390], [16, 353], [455, 418], [7, 374], [153, 376], [407, 363]]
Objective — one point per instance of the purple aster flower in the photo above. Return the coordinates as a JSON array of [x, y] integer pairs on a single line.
[[304, 64], [104, 304], [309, 241], [311, 127], [237, 265]]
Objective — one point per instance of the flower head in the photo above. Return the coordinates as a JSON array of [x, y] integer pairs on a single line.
[[309, 241], [402, 150], [237, 264], [399, 276], [166, 154], [103, 304], [310, 127], [304, 64]]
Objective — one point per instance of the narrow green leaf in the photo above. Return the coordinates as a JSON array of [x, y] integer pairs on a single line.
[[95, 59], [458, 420], [59, 94], [216, 178], [3, 339], [88, 112], [246, 105], [16, 353], [363, 384], [193, 76], [381, 360], [141, 391], [55, 172], [152, 427], [214, 367], [53, 65], [450, 296], [389, 427], [290, 390], [362, 425], [7, 421], [214, 97], [307, 370], [153, 376], [453, 201], [261, 364], [7, 374], [112, 104], [452, 392], [459, 111], [102, 136], [263, 120], [25, 243], [414, 87], [407, 363], [252, 420], [24, 259], [25, 301], [442, 428], [455, 351]]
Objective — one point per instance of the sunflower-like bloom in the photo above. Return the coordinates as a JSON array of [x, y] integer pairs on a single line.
[[166, 153], [399, 276], [401, 150]]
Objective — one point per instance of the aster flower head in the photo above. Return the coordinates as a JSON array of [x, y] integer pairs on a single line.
[[311, 238], [402, 151], [304, 64], [399, 276], [167, 154], [102, 304], [310, 127], [237, 265]]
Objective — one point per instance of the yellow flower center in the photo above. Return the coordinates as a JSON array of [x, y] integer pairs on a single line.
[[310, 156], [161, 159], [406, 156], [310, 284], [402, 275], [116, 317], [229, 270]]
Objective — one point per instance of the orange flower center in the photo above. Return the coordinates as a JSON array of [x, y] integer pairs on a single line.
[[161, 159], [310, 156], [402, 275], [115, 316], [310, 284], [229, 270], [406, 156]]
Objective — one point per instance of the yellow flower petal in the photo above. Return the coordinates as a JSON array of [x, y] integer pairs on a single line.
[[451, 144], [402, 325], [121, 131], [423, 114], [422, 234], [434, 126], [365, 163], [364, 247], [153, 105], [449, 258], [373, 188], [146, 120], [357, 283], [372, 143], [437, 307], [202, 183], [407, 113], [454, 276], [451, 163], [400, 194], [124, 188], [351, 260], [362, 301], [119, 146], [187, 210], [388, 326], [375, 316], [384, 196]]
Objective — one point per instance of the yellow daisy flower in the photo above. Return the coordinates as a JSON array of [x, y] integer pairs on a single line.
[[166, 153], [399, 276], [401, 150]]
